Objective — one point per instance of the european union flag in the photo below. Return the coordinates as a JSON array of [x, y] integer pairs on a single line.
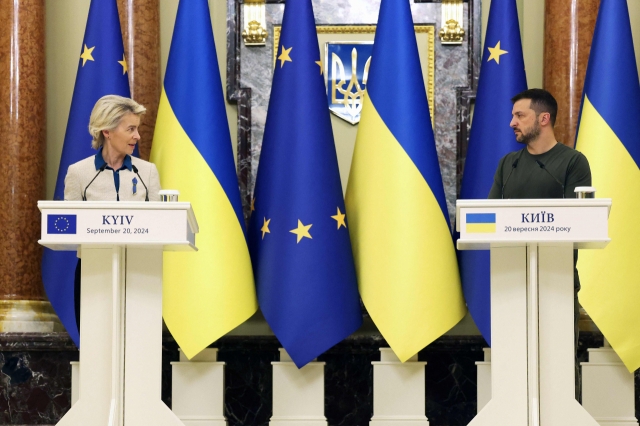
[[502, 76], [298, 236], [61, 224], [102, 70]]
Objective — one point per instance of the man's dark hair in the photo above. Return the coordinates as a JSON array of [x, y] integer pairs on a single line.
[[541, 101]]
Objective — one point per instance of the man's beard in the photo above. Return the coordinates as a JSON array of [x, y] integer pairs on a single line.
[[531, 136]]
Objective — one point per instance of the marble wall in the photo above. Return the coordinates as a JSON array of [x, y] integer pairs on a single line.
[[35, 377], [252, 69]]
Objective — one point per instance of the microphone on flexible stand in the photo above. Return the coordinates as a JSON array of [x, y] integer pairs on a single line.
[[543, 167], [513, 167], [135, 170], [84, 194]]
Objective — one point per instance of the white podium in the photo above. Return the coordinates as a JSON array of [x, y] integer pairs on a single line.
[[121, 246], [532, 302]]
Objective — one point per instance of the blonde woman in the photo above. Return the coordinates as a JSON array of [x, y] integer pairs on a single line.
[[113, 174]]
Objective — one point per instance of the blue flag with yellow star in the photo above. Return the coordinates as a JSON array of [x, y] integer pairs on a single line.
[[502, 76], [102, 70], [298, 236]]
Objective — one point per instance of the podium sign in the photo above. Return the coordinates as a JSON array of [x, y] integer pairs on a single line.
[[482, 223], [532, 302], [67, 225], [122, 245]]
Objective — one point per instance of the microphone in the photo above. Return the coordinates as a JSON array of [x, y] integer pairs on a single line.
[[543, 167], [513, 167], [84, 195], [135, 170]]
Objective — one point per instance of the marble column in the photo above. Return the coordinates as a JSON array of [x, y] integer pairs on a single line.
[[140, 22], [569, 26], [23, 306]]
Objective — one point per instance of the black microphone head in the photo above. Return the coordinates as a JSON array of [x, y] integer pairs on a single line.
[[104, 166], [515, 163], [540, 164], [134, 168]]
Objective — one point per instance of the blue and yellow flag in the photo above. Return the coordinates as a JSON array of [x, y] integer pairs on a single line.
[[302, 260], [399, 224], [102, 70], [207, 293], [502, 76], [609, 138]]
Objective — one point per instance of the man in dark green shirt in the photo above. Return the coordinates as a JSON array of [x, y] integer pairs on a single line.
[[544, 168]]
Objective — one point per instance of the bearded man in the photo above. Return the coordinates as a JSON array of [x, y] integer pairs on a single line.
[[544, 168]]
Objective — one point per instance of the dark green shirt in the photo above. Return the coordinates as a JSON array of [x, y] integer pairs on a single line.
[[529, 180]]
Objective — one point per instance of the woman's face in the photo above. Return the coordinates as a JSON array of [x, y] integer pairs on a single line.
[[122, 140]]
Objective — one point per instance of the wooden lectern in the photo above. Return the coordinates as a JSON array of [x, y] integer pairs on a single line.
[[121, 245], [532, 302]]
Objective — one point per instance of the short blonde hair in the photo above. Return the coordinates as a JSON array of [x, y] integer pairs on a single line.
[[107, 113]]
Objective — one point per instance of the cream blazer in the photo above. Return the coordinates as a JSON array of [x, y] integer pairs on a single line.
[[103, 188]]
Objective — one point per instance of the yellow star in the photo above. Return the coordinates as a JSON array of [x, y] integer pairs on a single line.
[[340, 219], [284, 56], [496, 52], [302, 231], [321, 67], [86, 54], [123, 62], [265, 227]]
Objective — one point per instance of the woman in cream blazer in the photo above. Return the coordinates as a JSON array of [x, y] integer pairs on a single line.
[[113, 174]]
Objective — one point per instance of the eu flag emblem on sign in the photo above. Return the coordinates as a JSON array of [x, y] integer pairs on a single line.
[[61, 224]]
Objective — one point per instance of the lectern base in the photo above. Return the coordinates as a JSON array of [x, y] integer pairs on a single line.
[[120, 384], [532, 356]]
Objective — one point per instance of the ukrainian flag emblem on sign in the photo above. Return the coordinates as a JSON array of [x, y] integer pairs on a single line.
[[483, 223]]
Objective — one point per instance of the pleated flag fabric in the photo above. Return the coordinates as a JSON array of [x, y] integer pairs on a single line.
[[298, 233], [502, 76], [610, 278], [399, 224], [209, 292], [102, 70]]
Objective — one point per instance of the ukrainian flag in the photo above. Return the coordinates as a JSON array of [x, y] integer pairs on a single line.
[[399, 223], [482, 223], [607, 135], [208, 293]]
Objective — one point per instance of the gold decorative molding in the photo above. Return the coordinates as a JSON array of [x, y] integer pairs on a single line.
[[429, 30], [452, 31], [254, 32]]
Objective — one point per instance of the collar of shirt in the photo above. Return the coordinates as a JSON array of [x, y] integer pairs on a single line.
[[99, 162]]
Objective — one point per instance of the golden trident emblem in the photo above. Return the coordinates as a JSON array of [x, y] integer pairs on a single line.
[[354, 93]]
